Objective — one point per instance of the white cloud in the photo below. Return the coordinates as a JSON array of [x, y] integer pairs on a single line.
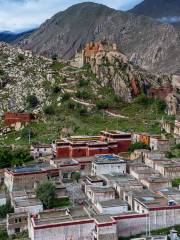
[[18, 15]]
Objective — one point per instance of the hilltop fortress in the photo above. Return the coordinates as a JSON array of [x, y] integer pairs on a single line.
[[90, 51]]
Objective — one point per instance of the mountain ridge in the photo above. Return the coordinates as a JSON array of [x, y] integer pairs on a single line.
[[160, 9], [144, 40]]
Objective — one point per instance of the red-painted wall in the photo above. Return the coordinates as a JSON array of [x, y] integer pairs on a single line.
[[94, 151], [62, 152], [123, 145], [12, 118], [77, 152]]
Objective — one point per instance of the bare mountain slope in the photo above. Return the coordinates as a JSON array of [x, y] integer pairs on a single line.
[[160, 9], [150, 44]]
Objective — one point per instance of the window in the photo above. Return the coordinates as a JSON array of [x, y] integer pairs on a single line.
[[16, 220], [19, 219], [17, 230], [82, 167]]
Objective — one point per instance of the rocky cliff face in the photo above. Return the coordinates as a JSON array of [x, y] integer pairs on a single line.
[[127, 80], [148, 43]]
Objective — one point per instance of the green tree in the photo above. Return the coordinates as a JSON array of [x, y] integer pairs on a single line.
[[138, 145], [20, 156], [3, 235], [5, 209], [46, 193], [9, 157], [32, 101], [5, 157], [76, 176]]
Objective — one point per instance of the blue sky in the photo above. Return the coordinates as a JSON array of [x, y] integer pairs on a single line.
[[19, 15]]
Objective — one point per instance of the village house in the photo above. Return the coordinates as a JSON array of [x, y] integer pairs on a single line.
[[104, 164], [158, 144], [85, 165], [141, 171], [40, 150], [73, 223], [122, 182], [139, 200], [29, 205], [155, 182], [112, 207], [67, 167], [90, 180], [170, 169], [98, 194], [21, 195], [16, 223], [151, 161], [28, 177]]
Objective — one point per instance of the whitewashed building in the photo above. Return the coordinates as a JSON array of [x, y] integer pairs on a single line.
[[106, 164], [41, 150], [114, 206]]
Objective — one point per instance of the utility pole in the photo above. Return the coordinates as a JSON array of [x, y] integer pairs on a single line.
[[29, 135]]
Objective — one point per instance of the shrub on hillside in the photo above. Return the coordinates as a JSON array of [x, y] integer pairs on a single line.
[[83, 111], [82, 94], [144, 100], [65, 97], [161, 105], [49, 110], [32, 101], [21, 57], [102, 104], [56, 89]]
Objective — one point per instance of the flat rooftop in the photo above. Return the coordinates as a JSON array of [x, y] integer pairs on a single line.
[[118, 177], [27, 202], [156, 179], [94, 178], [115, 132], [113, 203], [108, 159], [102, 189], [169, 191], [65, 161], [32, 168], [61, 216]]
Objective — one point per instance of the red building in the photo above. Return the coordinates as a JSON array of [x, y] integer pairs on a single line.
[[161, 92], [87, 146], [12, 118]]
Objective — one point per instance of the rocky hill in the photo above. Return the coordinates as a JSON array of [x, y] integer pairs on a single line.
[[148, 43], [75, 101], [165, 10]]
